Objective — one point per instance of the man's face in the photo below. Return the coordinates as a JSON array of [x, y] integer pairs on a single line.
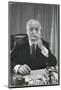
[[34, 32]]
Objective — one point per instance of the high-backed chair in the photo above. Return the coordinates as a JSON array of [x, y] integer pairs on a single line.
[[14, 39]]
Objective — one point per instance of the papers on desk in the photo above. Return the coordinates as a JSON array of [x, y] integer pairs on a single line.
[[35, 74], [36, 77], [41, 77]]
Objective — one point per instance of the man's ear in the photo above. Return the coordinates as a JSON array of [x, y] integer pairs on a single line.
[[26, 30]]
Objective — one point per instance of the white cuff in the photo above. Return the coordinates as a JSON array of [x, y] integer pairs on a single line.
[[16, 68]]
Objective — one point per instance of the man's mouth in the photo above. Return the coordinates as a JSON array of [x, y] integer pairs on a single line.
[[34, 38]]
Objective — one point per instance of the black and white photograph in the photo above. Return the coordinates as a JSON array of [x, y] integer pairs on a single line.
[[33, 44]]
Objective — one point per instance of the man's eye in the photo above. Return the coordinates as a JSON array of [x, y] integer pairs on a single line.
[[36, 29], [31, 29]]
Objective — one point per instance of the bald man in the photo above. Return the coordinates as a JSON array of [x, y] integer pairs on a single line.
[[33, 53]]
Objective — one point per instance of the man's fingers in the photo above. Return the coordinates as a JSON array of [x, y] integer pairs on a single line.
[[21, 71], [24, 69], [27, 67]]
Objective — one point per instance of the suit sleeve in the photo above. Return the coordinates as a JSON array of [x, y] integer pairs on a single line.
[[52, 61]]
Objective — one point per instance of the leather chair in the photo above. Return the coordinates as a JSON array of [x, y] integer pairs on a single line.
[[14, 39]]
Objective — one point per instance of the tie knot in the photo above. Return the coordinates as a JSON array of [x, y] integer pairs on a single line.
[[33, 45]]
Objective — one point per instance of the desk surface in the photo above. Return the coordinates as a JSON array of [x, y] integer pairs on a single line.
[[23, 80], [34, 74]]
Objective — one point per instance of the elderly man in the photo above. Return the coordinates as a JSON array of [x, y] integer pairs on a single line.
[[33, 53]]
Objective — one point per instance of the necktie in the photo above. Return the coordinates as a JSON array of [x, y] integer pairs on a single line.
[[33, 50]]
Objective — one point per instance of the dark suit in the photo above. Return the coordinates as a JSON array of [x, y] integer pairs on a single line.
[[21, 55]]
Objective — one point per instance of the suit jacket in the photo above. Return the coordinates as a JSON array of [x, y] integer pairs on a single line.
[[21, 55]]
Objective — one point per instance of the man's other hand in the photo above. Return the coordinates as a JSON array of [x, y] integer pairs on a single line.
[[24, 70]]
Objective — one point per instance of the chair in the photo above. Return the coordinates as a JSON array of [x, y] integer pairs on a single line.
[[14, 39]]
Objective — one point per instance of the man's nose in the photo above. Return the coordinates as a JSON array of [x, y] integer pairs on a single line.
[[34, 30]]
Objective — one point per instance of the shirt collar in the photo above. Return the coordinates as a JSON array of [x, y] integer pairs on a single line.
[[30, 43]]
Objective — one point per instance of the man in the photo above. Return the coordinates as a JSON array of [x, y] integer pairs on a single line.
[[33, 52]]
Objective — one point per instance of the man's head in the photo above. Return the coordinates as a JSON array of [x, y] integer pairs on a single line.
[[33, 30]]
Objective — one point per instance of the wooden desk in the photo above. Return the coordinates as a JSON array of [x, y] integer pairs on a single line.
[[34, 74], [20, 81]]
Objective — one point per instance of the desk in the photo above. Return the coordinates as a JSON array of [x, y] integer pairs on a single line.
[[24, 80]]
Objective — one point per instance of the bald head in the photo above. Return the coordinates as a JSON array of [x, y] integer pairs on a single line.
[[33, 29]]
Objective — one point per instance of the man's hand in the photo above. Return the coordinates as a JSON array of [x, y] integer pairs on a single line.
[[24, 69], [38, 42]]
